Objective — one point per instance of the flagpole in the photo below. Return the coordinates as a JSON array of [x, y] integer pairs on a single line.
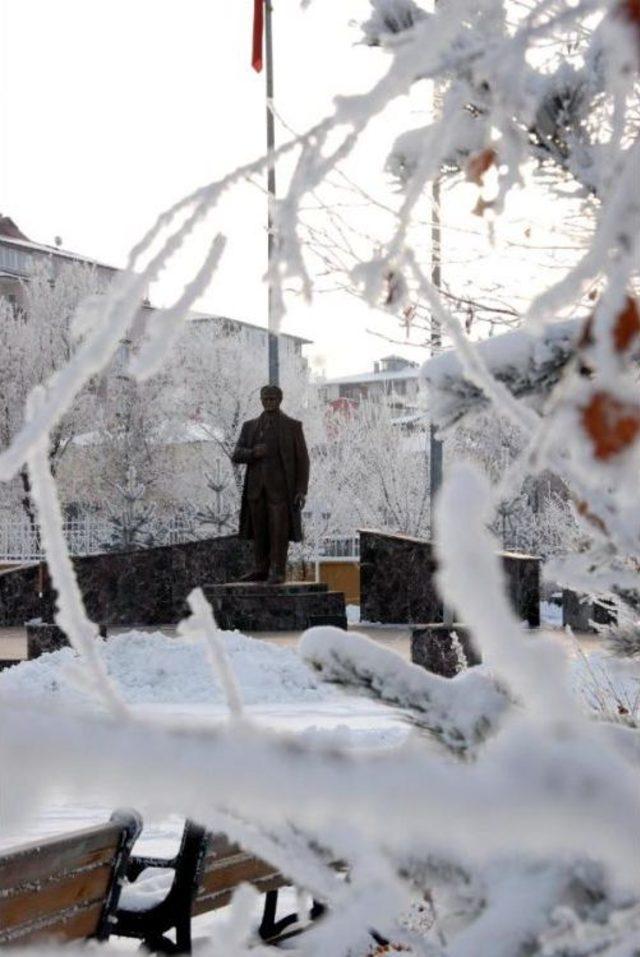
[[274, 356]]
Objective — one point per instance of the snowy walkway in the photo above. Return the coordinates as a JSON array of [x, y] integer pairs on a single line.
[[13, 641]]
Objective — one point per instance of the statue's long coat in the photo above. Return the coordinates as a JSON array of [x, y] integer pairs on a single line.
[[295, 462]]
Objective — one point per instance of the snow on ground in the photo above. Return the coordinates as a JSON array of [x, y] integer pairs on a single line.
[[152, 668], [607, 685], [353, 614]]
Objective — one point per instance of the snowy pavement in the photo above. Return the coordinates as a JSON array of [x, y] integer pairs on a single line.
[[13, 641]]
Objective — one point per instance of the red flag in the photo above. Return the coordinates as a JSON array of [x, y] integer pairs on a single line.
[[258, 30]]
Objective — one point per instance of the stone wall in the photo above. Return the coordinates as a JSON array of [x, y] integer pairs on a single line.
[[147, 586], [397, 583], [433, 648], [25, 593]]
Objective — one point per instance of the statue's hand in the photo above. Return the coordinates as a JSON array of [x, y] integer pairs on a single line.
[[259, 451], [299, 500]]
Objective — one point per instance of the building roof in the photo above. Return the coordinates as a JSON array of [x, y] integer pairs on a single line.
[[28, 245], [12, 235], [394, 357], [364, 377], [9, 229], [209, 317]]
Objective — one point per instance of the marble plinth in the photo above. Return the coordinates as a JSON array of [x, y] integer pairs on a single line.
[[397, 581], [293, 606], [433, 647], [43, 637], [582, 614], [140, 587], [25, 593]]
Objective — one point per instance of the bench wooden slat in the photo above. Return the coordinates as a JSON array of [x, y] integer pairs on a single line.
[[223, 872], [220, 846], [33, 904], [41, 859], [239, 870], [214, 899], [65, 888], [77, 923]]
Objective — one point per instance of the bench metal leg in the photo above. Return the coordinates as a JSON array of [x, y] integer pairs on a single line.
[[272, 930]]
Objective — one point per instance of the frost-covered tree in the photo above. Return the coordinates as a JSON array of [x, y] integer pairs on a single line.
[[130, 518], [494, 256], [128, 459], [538, 517], [37, 339], [366, 472]]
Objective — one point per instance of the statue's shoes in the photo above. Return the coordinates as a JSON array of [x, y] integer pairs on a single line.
[[275, 578]]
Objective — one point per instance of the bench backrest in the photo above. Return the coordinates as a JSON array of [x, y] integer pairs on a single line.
[[65, 888], [225, 866]]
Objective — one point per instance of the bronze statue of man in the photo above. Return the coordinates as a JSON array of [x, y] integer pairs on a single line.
[[275, 485]]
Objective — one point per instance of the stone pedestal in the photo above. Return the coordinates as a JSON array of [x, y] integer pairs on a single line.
[[433, 647], [146, 586], [45, 636], [257, 606], [397, 581], [578, 612]]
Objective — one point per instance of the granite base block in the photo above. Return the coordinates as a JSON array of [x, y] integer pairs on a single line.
[[141, 587], [434, 648], [398, 583], [9, 663], [582, 614], [292, 606]]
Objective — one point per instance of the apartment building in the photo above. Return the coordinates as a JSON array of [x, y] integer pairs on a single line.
[[393, 380]]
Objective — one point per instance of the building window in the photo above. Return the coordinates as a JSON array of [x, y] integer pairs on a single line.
[[14, 260]]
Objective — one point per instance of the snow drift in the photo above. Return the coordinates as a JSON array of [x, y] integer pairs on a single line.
[[152, 668]]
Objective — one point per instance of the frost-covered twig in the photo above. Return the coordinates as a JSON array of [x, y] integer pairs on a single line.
[[166, 327], [202, 624], [71, 615], [520, 798], [529, 365], [472, 580]]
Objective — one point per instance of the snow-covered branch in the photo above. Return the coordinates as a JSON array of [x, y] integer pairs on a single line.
[[460, 713]]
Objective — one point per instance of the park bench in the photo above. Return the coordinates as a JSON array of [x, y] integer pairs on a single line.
[[65, 888], [203, 876]]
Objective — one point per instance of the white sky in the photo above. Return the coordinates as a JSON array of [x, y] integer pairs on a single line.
[[113, 109]]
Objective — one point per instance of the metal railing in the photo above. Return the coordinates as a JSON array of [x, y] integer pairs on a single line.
[[341, 546], [21, 542]]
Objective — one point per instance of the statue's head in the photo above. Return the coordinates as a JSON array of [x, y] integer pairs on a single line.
[[271, 397]]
